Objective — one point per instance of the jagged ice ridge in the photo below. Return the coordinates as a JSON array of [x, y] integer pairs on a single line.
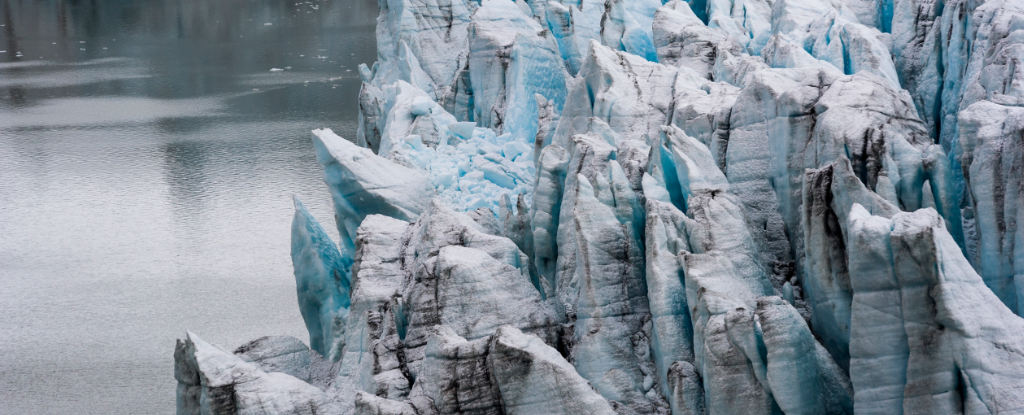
[[636, 207]]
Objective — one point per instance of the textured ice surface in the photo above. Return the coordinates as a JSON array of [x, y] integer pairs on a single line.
[[511, 58], [412, 113], [835, 36], [472, 170], [748, 21], [322, 281], [362, 184], [992, 156], [214, 381], [672, 331], [683, 39], [632, 96], [980, 43], [371, 335], [958, 347], [709, 207], [290, 356]]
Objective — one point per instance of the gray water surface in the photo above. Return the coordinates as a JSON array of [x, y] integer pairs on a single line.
[[148, 157]]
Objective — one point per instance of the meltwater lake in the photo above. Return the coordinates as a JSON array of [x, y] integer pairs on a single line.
[[148, 156]]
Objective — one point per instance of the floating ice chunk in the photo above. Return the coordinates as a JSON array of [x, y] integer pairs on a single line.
[[322, 280], [276, 69]]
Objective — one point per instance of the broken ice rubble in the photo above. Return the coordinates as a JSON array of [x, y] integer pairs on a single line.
[[700, 207]]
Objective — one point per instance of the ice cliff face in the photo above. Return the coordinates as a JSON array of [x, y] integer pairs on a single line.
[[635, 207]]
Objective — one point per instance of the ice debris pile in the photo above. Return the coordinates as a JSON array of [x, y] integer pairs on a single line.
[[636, 207]]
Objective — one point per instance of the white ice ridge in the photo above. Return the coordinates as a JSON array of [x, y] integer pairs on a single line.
[[703, 207]]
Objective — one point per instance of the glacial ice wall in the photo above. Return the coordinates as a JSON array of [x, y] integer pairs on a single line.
[[636, 207]]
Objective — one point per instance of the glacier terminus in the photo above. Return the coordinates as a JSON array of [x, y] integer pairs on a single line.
[[709, 207]]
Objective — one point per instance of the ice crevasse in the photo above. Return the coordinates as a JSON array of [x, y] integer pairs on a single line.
[[636, 207]]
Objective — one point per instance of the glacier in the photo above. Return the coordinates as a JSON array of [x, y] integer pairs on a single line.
[[703, 207]]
